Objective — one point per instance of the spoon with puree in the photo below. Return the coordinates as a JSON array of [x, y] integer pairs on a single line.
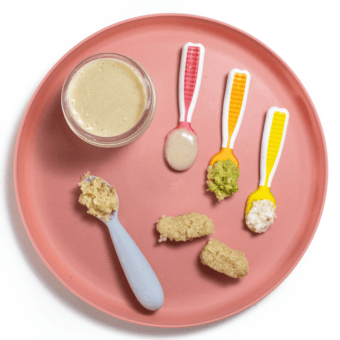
[[180, 147], [223, 171]]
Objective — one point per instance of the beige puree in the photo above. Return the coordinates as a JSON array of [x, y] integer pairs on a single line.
[[107, 97], [181, 149]]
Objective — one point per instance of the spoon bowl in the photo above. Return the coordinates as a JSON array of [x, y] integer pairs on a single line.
[[180, 148], [223, 155]]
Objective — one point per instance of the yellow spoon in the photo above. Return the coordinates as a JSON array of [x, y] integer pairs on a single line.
[[273, 138], [234, 104]]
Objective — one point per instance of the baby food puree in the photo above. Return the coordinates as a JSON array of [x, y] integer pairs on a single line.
[[181, 149], [107, 97]]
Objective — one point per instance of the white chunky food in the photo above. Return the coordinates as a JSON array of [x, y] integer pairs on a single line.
[[260, 216]]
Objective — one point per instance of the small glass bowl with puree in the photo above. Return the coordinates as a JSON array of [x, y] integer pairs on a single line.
[[108, 100]]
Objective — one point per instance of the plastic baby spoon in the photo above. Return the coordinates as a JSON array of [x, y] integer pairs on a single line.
[[234, 104], [142, 279], [180, 147], [273, 138]]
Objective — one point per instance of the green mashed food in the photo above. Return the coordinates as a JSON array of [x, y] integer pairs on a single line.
[[222, 178]]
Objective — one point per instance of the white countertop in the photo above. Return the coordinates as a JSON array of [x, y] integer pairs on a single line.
[[35, 35]]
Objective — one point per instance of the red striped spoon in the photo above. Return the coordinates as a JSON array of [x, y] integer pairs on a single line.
[[180, 147]]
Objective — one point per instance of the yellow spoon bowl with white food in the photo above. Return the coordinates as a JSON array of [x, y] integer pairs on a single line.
[[261, 204]]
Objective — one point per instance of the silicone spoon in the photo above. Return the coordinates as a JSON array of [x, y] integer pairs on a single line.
[[142, 279], [273, 137], [234, 104], [180, 147]]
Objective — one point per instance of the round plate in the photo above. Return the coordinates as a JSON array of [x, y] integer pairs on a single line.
[[77, 248]]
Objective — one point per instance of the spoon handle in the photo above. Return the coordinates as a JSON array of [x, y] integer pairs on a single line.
[[234, 104], [273, 138], [190, 76], [142, 279]]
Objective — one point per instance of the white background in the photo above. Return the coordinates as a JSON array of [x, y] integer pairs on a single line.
[[35, 35]]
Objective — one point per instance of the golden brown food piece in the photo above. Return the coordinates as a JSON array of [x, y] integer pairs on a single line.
[[100, 198], [184, 227], [224, 259]]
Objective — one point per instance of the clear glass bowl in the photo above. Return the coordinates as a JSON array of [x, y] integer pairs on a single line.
[[130, 135]]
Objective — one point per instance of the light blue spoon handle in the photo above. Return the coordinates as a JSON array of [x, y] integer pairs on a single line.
[[141, 277]]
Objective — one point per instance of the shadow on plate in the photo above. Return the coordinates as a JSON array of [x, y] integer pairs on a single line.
[[218, 278]]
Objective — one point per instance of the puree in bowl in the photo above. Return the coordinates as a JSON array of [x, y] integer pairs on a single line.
[[107, 97]]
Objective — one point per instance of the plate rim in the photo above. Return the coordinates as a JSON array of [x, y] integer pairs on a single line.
[[190, 17]]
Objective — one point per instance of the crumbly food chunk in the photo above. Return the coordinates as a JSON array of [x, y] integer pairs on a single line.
[[100, 198], [222, 178], [224, 259], [184, 227], [261, 216]]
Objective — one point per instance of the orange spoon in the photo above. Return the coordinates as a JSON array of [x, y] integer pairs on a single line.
[[235, 99]]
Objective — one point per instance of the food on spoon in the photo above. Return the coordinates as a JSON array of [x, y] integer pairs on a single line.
[[222, 178], [181, 149], [100, 199], [261, 203], [184, 227], [260, 216], [224, 259]]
